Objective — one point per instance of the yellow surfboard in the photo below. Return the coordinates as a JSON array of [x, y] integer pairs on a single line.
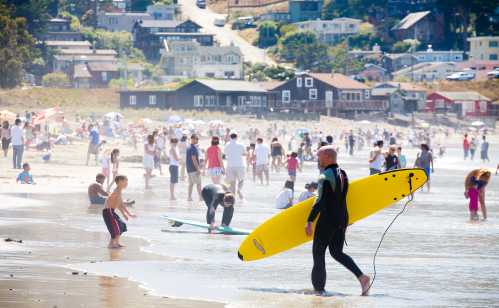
[[365, 197]]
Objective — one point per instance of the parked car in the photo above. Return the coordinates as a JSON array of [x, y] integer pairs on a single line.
[[461, 76], [494, 73], [244, 23], [219, 22], [201, 4]]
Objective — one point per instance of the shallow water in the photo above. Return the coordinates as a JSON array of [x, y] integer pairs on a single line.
[[431, 256]]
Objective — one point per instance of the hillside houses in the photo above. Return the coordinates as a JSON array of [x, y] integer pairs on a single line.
[[331, 31], [189, 59], [425, 26], [124, 21]]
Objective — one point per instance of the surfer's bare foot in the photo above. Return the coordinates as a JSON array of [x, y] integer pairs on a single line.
[[320, 292], [365, 282]]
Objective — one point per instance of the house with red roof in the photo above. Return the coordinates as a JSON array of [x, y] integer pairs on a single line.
[[463, 103]]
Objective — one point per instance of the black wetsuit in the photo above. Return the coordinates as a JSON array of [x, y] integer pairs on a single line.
[[213, 195], [331, 225]]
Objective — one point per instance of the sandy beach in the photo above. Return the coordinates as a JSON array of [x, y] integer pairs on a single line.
[[63, 260]]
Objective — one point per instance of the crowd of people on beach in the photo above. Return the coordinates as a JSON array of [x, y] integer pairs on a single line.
[[226, 161]]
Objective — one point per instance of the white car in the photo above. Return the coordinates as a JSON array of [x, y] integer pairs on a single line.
[[468, 75], [219, 22], [494, 73]]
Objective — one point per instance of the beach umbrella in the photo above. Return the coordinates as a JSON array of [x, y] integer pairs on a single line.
[[477, 123], [47, 114], [6, 115], [174, 119]]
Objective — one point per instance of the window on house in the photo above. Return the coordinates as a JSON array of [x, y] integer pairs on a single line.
[[309, 82], [367, 94], [154, 30], [299, 82], [286, 96], [104, 76], [312, 94], [493, 44], [152, 99], [132, 101], [198, 101], [493, 56]]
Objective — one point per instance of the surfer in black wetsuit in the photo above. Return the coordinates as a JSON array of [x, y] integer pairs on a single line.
[[332, 222], [215, 195]]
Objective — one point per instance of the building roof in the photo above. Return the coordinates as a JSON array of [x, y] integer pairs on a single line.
[[131, 14], [91, 57], [406, 86], [58, 20], [463, 95], [87, 51], [270, 85], [103, 67], [81, 71], [427, 66], [232, 85], [383, 91], [479, 38], [375, 66], [152, 23], [184, 33], [394, 56], [339, 81], [410, 20], [329, 21], [67, 43]]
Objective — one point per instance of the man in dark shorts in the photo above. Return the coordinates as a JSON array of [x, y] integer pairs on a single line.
[[215, 195], [332, 223]]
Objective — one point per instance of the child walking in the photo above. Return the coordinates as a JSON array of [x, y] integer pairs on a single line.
[[293, 164], [114, 224]]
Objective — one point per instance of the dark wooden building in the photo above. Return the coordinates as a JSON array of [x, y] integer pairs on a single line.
[[224, 95], [148, 35], [59, 29], [326, 94]]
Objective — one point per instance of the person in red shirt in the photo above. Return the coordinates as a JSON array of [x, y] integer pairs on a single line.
[[466, 146], [293, 165]]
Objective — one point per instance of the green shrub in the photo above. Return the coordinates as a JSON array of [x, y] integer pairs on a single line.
[[56, 80]]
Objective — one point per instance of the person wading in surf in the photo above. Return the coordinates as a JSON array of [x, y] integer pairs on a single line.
[[332, 223]]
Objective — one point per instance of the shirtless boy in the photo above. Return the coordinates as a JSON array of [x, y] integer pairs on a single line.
[[114, 224]]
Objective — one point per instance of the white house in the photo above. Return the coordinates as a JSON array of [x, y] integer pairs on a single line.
[[192, 60], [124, 21], [331, 31], [431, 55]]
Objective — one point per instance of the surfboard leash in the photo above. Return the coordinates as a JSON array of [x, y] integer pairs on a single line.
[[409, 200]]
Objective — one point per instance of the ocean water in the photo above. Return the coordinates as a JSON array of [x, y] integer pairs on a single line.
[[431, 256]]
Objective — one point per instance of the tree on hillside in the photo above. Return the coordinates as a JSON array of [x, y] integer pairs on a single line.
[[140, 5], [35, 13], [267, 34], [313, 57], [341, 62], [85, 9], [293, 42], [17, 48]]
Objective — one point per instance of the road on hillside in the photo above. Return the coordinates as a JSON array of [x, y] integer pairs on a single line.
[[225, 35]]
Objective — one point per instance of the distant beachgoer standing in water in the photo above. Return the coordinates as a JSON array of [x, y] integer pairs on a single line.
[[402, 158], [474, 186], [466, 146], [182, 150], [114, 224], [148, 161], [277, 152], [5, 136], [262, 155], [174, 162], [17, 139], [332, 222], [234, 153], [193, 167], [251, 160], [473, 146], [94, 143], [484, 150], [293, 165], [424, 160], [214, 162]]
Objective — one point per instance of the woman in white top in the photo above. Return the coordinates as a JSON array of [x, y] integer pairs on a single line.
[[174, 162], [377, 159], [5, 136], [149, 152], [182, 149]]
